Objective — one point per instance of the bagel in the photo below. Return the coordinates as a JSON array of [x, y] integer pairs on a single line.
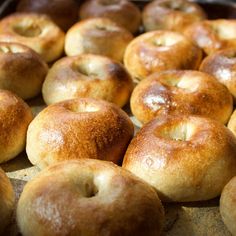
[[123, 12], [171, 15], [158, 51], [88, 197], [222, 65], [97, 36], [181, 92], [36, 31], [22, 71], [78, 128], [87, 75], [15, 117], [213, 35], [186, 158]]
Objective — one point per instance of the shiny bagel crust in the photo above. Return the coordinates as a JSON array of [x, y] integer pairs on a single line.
[[15, 117], [36, 31], [78, 128], [213, 35], [123, 12], [97, 36], [63, 12], [173, 15], [222, 65], [158, 51], [87, 75], [22, 71], [181, 92], [186, 158], [65, 197], [227, 205], [7, 200]]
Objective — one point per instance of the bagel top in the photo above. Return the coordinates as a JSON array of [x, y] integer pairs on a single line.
[[213, 35], [186, 158], [171, 15], [122, 12], [158, 51], [78, 128], [97, 36], [82, 192], [183, 92], [63, 12], [36, 31]]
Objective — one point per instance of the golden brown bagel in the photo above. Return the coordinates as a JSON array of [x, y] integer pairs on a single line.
[[123, 12], [97, 36], [89, 197], [228, 204], [63, 12], [22, 71], [36, 31], [15, 117], [213, 35], [87, 75], [181, 92], [222, 65], [7, 200], [173, 15], [186, 158], [158, 51], [78, 128]]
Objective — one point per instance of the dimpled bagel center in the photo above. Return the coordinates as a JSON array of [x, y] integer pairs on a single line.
[[183, 131]]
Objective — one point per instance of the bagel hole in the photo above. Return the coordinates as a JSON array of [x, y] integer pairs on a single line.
[[166, 41], [109, 2], [174, 5], [101, 28], [181, 132], [31, 30], [91, 190], [224, 31], [83, 108], [86, 70]]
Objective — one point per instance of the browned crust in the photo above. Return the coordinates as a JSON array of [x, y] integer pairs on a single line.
[[62, 199]]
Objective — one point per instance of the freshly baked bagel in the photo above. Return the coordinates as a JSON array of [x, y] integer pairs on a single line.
[[158, 51], [186, 158], [22, 70], [89, 197], [122, 12], [97, 36], [222, 65], [213, 35], [63, 12], [181, 92], [36, 31], [87, 75], [171, 15], [78, 128], [228, 204], [7, 200], [15, 116]]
